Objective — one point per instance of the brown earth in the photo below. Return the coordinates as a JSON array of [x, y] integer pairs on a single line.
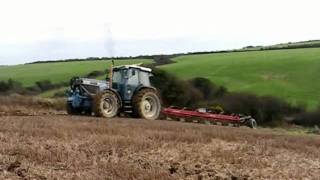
[[30, 106], [77, 147]]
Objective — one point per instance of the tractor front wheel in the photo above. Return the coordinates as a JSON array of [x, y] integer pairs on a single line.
[[147, 104], [106, 104]]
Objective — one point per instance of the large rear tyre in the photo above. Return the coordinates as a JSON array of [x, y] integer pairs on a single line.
[[106, 104], [146, 104]]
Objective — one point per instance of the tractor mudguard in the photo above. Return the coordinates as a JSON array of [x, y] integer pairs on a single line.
[[140, 87], [143, 87]]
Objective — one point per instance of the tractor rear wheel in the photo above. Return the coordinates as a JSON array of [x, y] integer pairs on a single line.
[[106, 104], [146, 104]]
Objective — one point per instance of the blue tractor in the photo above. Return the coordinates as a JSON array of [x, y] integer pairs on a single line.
[[128, 89]]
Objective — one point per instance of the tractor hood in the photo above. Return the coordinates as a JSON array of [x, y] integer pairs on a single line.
[[93, 82], [93, 85]]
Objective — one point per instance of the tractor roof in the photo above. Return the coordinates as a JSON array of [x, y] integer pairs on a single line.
[[135, 66]]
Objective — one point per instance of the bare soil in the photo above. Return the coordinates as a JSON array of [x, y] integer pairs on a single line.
[[30, 106], [77, 147]]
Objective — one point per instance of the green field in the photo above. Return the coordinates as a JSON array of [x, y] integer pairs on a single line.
[[290, 45], [57, 72], [293, 75]]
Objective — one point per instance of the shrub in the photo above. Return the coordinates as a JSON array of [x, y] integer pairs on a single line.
[[95, 74], [201, 92], [309, 119], [173, 90], [190, 93], [208, 89], [45, 85], [162, 59], [10, 86], [266, 110]]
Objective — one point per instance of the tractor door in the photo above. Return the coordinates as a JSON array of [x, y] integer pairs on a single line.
[[119, 81], [132, 82]]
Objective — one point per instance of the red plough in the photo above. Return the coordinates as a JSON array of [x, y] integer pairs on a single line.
[[204, 116]]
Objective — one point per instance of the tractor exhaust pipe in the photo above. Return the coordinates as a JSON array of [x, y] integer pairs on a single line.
[[111, 73]]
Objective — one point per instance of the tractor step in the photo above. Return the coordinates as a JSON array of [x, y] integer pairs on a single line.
[[127, 107]]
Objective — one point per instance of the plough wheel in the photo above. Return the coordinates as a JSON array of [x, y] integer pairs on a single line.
[[252, 123]]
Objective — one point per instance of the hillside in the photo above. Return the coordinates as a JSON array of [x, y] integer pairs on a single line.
[[57, 72], [289, 45], [289, 74]]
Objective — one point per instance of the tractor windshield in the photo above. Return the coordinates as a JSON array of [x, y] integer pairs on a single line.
[[117, 77]]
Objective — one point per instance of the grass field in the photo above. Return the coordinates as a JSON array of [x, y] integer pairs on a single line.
[[291, 45], [290, 74], [57, 72]]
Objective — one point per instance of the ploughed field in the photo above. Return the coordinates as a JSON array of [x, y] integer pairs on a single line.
[[78, 147]]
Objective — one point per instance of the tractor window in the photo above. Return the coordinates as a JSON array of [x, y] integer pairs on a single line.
[[117, 77], [144, 78], [133, 77]]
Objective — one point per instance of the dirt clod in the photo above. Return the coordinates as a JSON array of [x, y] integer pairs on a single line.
[[13, 166]]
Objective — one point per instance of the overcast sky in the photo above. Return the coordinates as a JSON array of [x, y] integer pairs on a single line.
[[59, 29]]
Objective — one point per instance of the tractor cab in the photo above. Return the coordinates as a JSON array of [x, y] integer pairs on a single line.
[[127, 79]]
